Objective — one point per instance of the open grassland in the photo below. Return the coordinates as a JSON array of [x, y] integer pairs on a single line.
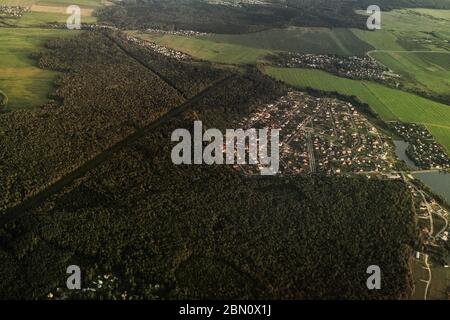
[[21, 80], [389, 103], [304, 40], [424, 71], [207, 49]]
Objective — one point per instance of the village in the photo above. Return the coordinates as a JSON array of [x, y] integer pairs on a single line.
[[353, 67], [12, 11], [323, 135], [422, 149]]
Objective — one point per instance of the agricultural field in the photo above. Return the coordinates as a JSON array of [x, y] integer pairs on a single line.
[[303, 40], [390, 104], [414, 43], [21, 80], [206, 49]]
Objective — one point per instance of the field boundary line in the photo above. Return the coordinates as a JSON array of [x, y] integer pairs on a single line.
[[145, 65]]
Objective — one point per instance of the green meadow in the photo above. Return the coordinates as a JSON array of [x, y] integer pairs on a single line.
[[389, 103], [21, 80]]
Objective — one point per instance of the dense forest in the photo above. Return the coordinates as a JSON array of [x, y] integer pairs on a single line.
[[150, 229], [168, 231], [204, 17]]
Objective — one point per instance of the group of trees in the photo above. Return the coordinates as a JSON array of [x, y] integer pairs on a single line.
[[205, 17], [3, 101]]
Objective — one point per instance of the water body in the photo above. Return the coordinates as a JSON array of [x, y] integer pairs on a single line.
[[439, 182], [400, 151]]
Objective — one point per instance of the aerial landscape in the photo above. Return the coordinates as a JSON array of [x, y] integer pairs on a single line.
[[224, 149]]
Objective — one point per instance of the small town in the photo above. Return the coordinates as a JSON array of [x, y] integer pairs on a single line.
[[422, 149], [353, 67]]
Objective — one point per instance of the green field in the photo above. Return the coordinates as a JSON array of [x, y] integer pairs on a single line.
[[423, 71], [207, 49], [20, 79], [389, 103], [304, 40]]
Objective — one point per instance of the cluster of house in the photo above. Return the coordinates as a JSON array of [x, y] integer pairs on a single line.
[[174, 54], [185, 33], [239, 3], [353, 67], [423, 150], [323, 135], [12, 11]]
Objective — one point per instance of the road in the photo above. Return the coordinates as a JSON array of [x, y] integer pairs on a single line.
[[428, 282], [312, 160]]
